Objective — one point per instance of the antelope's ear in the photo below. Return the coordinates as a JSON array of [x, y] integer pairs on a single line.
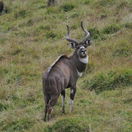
[[87, 43]]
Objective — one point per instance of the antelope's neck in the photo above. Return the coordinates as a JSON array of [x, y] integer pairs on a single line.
[[84, 60], [79, 63]]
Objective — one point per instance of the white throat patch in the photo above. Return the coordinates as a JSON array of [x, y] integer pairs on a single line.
[[84, 60]]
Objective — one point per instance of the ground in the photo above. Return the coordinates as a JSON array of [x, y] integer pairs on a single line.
[[32, 36]]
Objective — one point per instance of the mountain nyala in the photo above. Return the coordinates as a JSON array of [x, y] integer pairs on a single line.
[[64, 73]]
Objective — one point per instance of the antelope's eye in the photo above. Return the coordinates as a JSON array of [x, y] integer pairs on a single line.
[[77, 47], [83, 51]]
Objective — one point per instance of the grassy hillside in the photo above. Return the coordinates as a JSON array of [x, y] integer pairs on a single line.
[[32, 37]]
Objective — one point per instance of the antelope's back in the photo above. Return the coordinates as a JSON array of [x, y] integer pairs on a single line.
[[57, 76]]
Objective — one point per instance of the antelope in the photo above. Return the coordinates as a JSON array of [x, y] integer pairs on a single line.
[[64, 73], [51, 2], [1, 6]]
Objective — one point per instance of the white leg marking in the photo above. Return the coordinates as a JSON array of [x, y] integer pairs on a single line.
[[63, 101], [72, 91], [79, 73], [71, 105]]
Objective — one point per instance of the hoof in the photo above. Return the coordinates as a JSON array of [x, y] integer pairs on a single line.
[[63, 112]]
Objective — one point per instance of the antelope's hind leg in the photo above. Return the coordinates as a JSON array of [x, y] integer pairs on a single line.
[[51, 103], [46, 109], [47, 99]]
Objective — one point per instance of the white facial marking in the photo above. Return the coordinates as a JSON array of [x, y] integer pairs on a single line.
[[84, 60], [82, 47]]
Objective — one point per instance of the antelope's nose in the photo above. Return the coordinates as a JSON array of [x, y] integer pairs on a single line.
[[83, 51]]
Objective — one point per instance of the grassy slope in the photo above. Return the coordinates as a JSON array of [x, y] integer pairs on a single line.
[[32, 37]]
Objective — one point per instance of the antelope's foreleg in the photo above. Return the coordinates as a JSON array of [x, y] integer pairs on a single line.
[[72, 95], [63, 101]]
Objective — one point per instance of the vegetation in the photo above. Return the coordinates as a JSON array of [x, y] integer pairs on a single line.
[[32, 37], [109, 81]]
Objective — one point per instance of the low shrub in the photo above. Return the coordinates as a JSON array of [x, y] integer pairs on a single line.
[[74, 15], [111, 29], [122, 4], [18, 125], [109, 80], [52, 10], [123, 49], [67, 7], [128, 25], [122, 52], [3, 106], [21, 13], [105, 3], [51, 34], [86, 2], [96, 34], [69, 125], [16, 51]]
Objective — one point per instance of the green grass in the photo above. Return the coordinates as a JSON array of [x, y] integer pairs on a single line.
[[69, 125], [32, 36], [109, 80]]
